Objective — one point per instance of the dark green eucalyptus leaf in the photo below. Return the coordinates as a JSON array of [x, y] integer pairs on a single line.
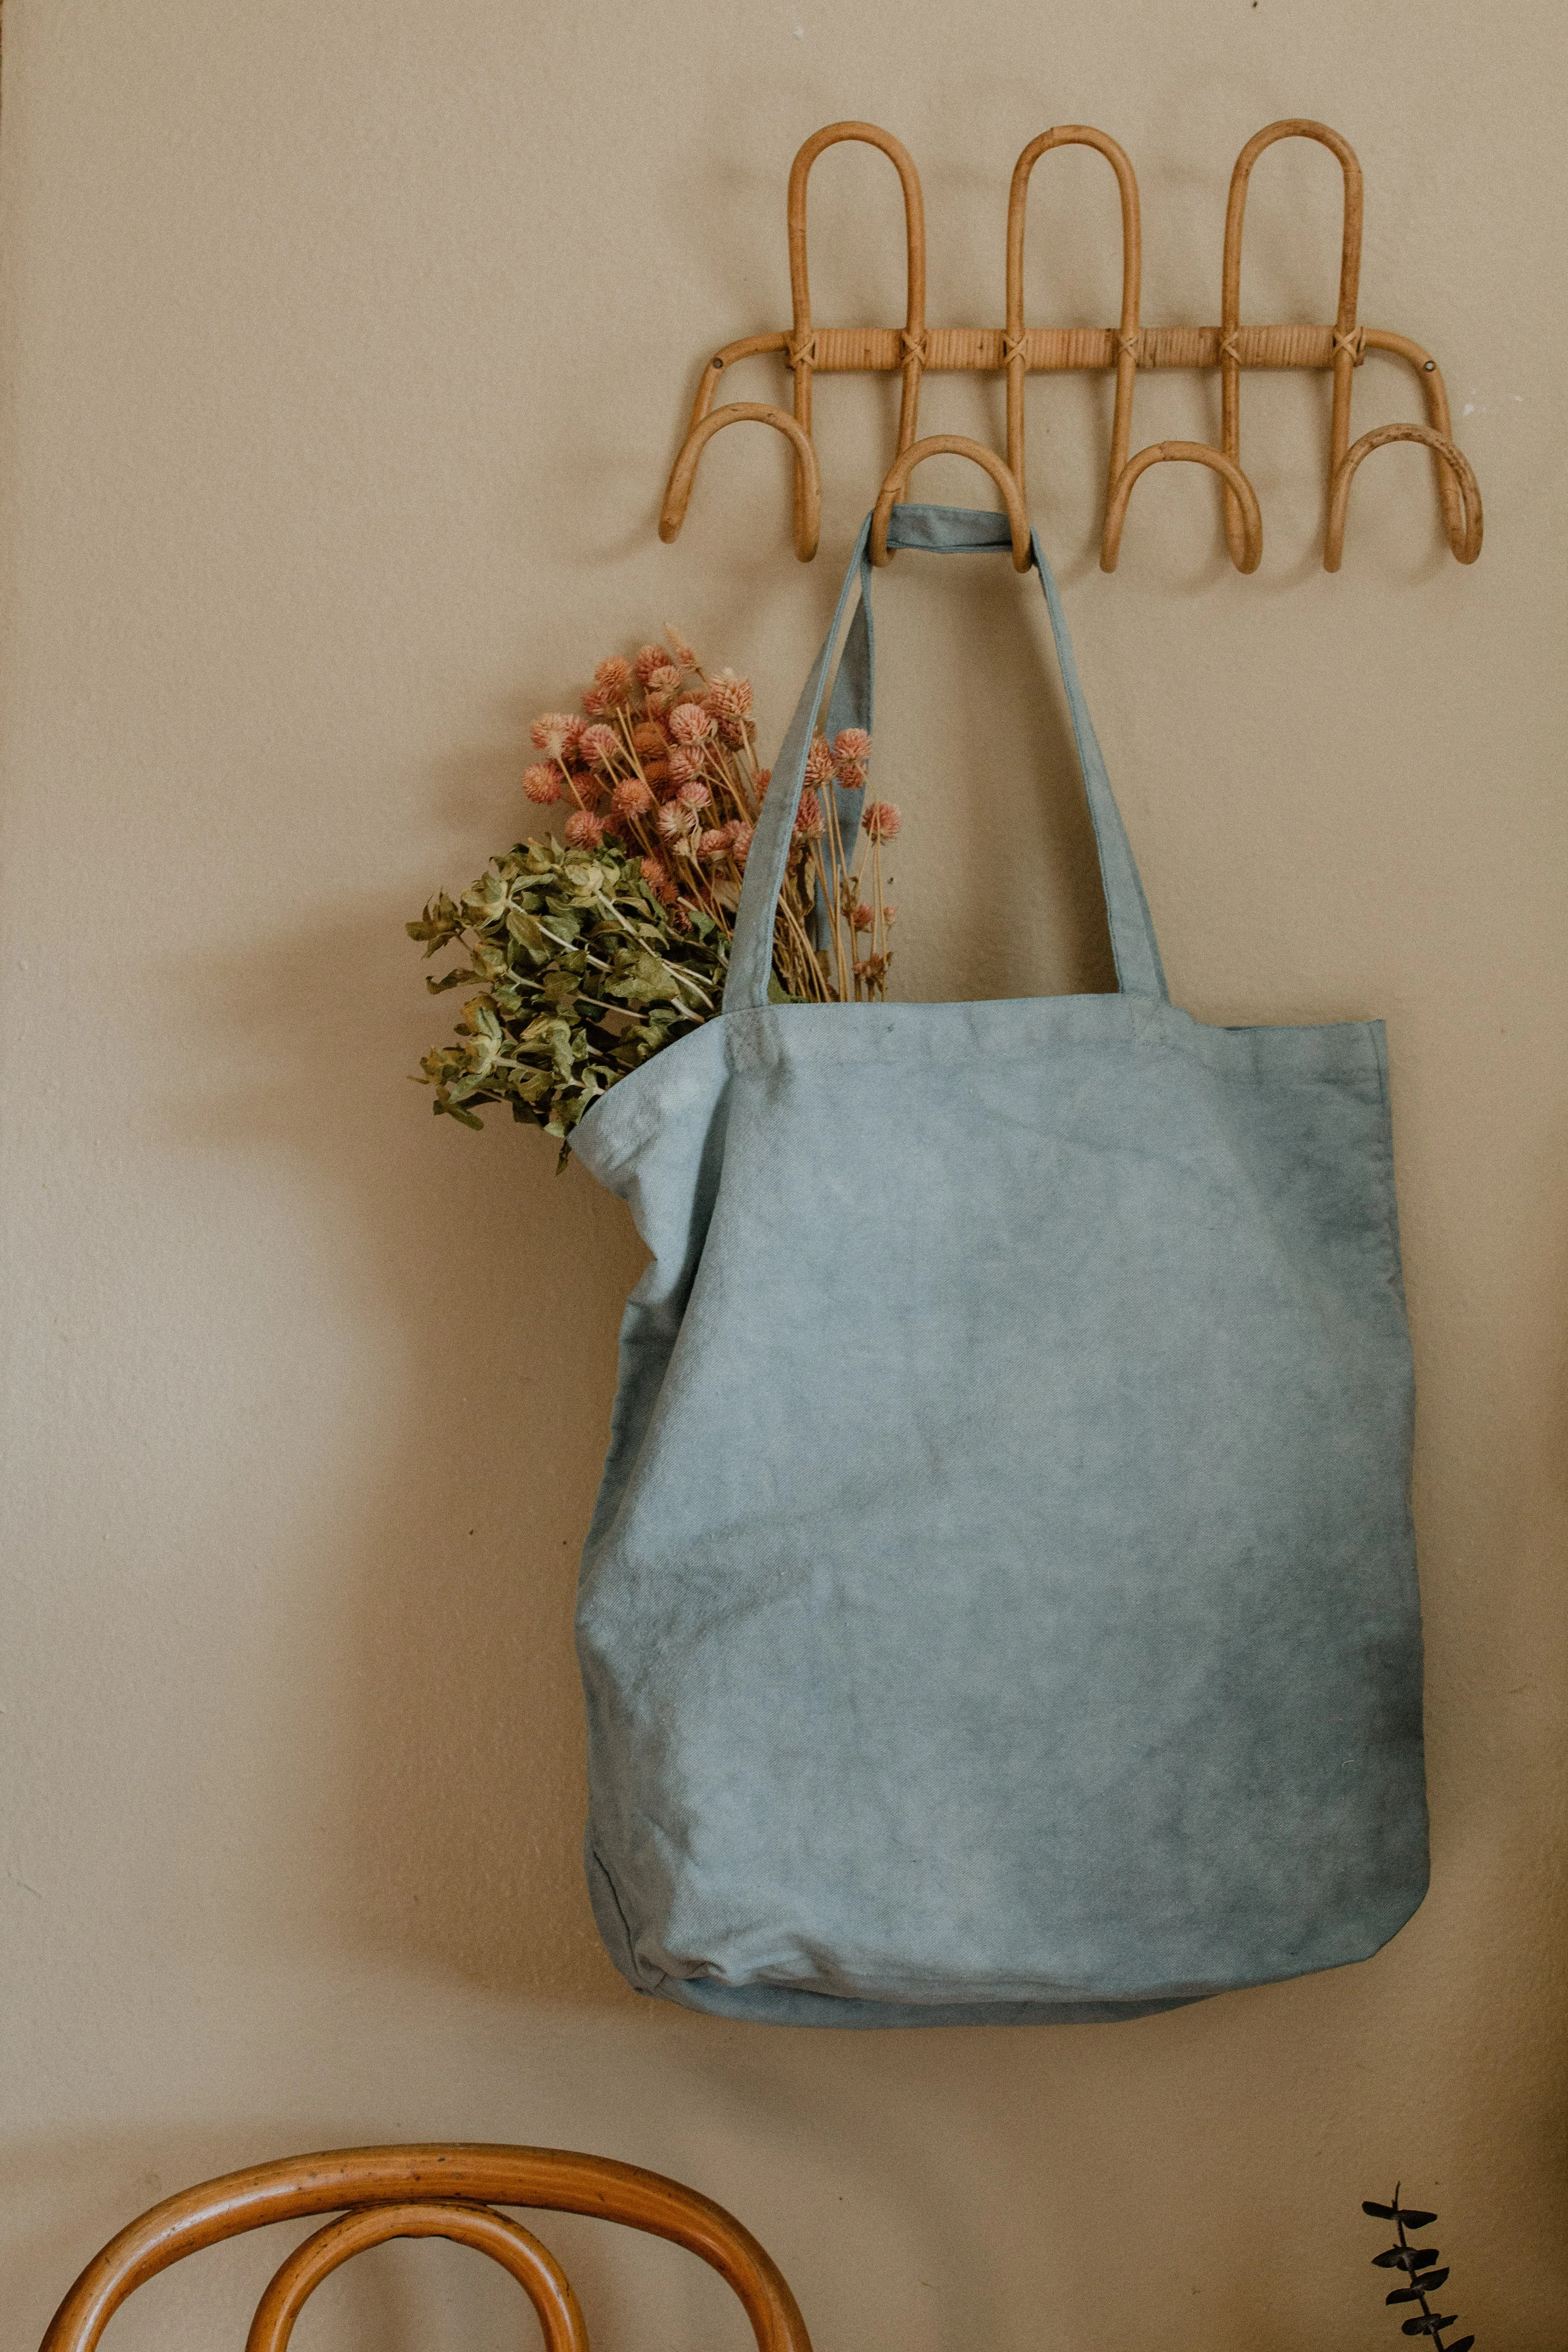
[[1415, 2220], [1430, 2323], [1380, 2212]]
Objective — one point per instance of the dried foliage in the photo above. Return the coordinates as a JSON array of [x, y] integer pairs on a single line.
[[588, 953], [1421, 2278]]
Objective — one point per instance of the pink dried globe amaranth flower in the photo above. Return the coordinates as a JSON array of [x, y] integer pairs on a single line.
[[714, 844], [632, 797], [677, 824], [863, 918], [659, 881], [729, 696], [551, 731], [889, 912], [601, 744], [584, 830], [742, 836], [693, 795], [809, 822], [690, 723], [649, 740], [881, 821], [683, 652], [542, 782], [818, 761], [594, 702], [648, 661], [612, 679], [686, 766], [851, 746]]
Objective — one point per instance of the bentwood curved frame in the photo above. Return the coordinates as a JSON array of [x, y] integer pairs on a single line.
[[1014, 352], [803, 354], [438, 2190], [1345, 350], [705, 423], [952, 444], [1237, 490], [1456, 486]]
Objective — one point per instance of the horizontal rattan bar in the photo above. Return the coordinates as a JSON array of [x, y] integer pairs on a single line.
[[842, 350]]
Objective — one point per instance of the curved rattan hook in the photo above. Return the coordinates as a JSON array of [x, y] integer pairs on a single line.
[[951, 445], [808, 483], [801, 340], [1347, 342], [1196, 453], [1451, 496], [1447, 455], [533, 2266], [1073, 134], [559, 2179]]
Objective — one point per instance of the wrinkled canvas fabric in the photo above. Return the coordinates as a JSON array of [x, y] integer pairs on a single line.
[[1001, 1603]]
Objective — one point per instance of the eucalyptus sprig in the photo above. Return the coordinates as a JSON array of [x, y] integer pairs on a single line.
[[579, 976], [1421, 2276]]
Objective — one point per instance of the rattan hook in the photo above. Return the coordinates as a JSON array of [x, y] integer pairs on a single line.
[[1345, 348], [951, 445], [807, 482], [1453, 466], [1195, 453], [911, 352], [1073, 134]]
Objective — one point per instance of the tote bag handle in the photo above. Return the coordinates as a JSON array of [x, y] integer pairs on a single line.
[[939, 530]]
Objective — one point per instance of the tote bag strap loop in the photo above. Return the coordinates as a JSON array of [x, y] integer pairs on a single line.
[[943, 530]]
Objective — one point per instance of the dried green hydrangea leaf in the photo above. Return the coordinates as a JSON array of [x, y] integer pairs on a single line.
[[580, 975]]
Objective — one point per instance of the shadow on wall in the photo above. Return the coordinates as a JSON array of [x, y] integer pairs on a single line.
[[442, 1761], [434, 1739]]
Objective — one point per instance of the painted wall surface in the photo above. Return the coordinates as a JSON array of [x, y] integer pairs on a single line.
[[346, 351]]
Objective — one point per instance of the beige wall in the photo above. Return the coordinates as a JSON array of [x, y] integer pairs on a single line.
[[345, 348]]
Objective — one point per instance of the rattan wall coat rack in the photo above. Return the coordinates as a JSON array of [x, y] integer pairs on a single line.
[[1020, 351]]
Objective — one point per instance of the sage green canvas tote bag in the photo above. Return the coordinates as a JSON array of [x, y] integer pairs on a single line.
[[1000, 1605]]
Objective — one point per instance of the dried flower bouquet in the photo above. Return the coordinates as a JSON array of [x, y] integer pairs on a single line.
[[591, 951]]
